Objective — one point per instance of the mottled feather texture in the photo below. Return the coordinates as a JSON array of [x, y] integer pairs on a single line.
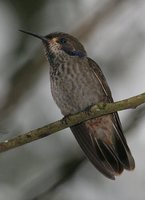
[[102, 138], [77, 82]]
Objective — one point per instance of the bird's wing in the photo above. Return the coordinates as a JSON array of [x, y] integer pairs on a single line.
[[92, 147], [116, 121], [110, 156]]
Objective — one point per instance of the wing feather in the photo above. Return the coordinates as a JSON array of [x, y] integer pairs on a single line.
[[109, 157], [93, 154], [125, 154]]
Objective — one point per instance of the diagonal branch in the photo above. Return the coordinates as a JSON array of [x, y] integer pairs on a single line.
[[94, 111]]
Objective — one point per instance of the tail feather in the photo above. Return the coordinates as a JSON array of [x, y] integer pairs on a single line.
[[111, 157], [121, 146], [108, 151], [124, 155], [97, 159]]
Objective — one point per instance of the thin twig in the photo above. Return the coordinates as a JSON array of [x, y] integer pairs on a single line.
[[94, 111]]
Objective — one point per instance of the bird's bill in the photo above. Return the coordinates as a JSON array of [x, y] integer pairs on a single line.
[[34, 34]]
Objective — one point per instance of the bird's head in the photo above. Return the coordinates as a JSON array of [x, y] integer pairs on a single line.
[[58, 43]]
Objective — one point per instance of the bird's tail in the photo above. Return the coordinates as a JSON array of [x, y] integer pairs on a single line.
[[104, 144]]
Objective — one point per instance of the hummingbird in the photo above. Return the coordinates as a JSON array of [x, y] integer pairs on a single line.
[[77, 82]]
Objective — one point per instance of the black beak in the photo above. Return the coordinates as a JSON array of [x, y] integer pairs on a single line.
[[43, 38]]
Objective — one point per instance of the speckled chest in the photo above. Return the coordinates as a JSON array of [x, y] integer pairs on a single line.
[[74, 86]]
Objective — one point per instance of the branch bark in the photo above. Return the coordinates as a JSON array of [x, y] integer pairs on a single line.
[[94, 111]]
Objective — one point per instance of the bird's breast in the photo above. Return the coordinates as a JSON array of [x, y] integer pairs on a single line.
[[74, 86]]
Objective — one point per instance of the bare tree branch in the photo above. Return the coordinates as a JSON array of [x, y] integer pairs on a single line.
[[94, 111]]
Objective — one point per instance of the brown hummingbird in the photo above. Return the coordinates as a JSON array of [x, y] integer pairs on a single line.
[[77, 82]]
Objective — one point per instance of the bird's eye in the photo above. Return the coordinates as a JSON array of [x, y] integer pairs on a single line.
[[63, 40]]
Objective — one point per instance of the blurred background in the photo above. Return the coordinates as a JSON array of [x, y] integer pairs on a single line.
[[113, 33]]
